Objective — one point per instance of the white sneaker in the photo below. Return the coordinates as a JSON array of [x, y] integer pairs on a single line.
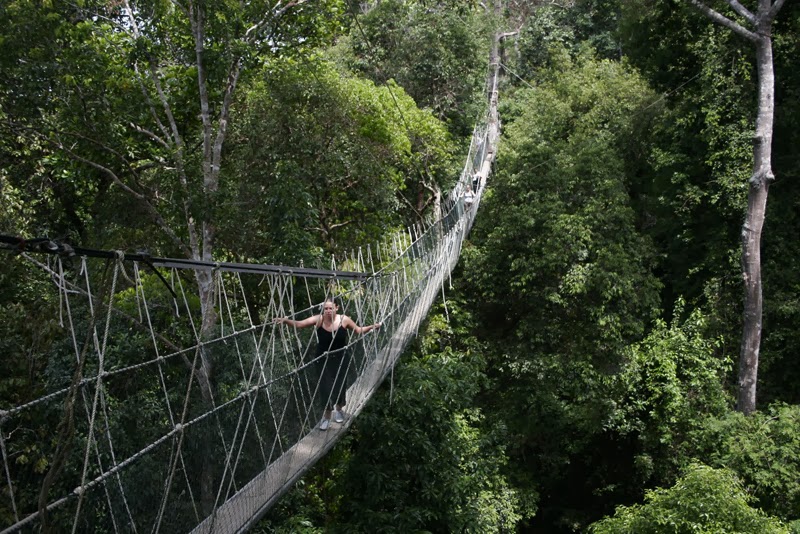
[[323, 425], [338, 416]]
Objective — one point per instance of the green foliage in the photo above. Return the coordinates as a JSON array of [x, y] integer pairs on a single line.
[[26, 339], [716, 72], [434, 51], [109, 112], [544, 28], [41, 47], [704, 500], [333, 150], [695, 196], [779, 376], [562, 251], [763, 450], [600, 183], [596, 23], [553, 29], [303, 505], [428, 461], [561, 277], [671, 384]]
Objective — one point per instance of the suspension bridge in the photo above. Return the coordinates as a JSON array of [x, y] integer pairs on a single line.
[[148, 421]]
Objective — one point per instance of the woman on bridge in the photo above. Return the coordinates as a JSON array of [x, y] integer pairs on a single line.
[[331, 339]]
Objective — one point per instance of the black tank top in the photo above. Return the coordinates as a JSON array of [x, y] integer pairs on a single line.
[[331, 341]]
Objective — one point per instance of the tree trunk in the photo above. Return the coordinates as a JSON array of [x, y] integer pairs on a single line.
[[762, 176], [751, 230], [204, 374]]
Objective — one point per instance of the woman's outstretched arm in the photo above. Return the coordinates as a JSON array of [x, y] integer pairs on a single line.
[[313, 320], [347, 322]]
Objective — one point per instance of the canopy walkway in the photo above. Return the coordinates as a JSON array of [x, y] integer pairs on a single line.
[[147, 420]]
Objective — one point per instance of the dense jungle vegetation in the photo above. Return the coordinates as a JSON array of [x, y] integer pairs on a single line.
[[584, 375]]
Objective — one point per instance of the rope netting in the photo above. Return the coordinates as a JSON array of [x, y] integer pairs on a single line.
[[171, 399]]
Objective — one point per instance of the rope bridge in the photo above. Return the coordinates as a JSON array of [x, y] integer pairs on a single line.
[[148, 420]]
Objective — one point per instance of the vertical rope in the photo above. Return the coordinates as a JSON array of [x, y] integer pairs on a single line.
[[98, 386], [160, 365], [8, 473]]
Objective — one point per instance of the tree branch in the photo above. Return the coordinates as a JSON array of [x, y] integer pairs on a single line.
[[743, 12], [102, 168], [410, 205], [433, 191], [150, 134], [773, 11], [332, 227], [222, 127], [156, 216], [724, 21], [253, 30], [176, 137], [104, 147], [196, 21], [182, 7], [288, 6], [151, 106]]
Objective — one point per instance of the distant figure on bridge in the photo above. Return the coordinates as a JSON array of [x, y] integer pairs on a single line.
[[331, 339], [469, 197]]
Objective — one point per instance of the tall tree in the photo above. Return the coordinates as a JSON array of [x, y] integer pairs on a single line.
[[560, 274], [335, 179], [760, 34]]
